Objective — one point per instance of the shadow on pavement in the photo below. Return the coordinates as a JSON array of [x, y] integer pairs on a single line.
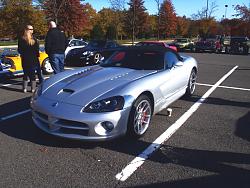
[[243, 127], [227, 167], [218, 101]]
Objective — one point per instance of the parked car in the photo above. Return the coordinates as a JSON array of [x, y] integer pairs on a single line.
[[75, 43], [4, 70], [118, 96], [11, 58], [95, 51], [236, 45], [183, 44], [207, 44], [156, 43]]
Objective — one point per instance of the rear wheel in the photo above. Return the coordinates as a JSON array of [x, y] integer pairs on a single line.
[[191, 83], [140, 116]]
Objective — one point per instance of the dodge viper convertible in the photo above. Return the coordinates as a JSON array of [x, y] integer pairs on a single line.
[[117, 97], [11, 59]]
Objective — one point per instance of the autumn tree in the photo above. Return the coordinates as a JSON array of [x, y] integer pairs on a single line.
[[168, 19], [136, 18], [205, 21], [183, 25], [16, 14], [243, 13], [91, 20], [67, 13]]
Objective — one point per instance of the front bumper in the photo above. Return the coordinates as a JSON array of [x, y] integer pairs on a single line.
[[68, 121]]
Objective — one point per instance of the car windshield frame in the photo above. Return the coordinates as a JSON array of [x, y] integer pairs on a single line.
[[136, 59]]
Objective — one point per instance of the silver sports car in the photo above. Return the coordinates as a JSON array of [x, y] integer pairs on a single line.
[[118, 96]]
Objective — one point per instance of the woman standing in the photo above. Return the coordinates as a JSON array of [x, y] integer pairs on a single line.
[[28, 47]]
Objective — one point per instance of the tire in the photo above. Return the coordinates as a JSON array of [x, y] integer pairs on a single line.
[[46, 67], [140, 116], [191, 83], [97, 58]]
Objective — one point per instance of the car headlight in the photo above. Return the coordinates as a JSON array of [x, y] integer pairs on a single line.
[[105, 105]]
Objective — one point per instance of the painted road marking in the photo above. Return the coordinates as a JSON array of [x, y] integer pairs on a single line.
[[138, 161], [14, 115], [226, 87]]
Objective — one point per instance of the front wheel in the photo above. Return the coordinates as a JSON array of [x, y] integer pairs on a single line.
[[140, 116], [97, 58], [191, 83], [46, 67]]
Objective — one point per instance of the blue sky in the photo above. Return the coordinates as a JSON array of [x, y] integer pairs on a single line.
[[183, 7]]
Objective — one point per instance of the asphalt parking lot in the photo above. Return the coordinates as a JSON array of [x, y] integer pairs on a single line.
[[210, 147]]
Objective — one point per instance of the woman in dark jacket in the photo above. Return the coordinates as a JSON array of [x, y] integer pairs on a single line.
[[28, 47]]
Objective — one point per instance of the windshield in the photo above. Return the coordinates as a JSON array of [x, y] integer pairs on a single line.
[[149, 44], [133, 59], [97, 44]]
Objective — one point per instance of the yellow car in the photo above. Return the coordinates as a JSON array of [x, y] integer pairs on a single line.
[[11, 62]]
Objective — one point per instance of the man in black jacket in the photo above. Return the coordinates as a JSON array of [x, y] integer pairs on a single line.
[[55, 45]]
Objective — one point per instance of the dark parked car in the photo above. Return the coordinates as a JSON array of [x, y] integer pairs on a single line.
[[236, 45], [92, 54], [207, 44]]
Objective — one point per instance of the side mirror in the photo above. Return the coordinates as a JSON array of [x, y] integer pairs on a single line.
[[179, 64]]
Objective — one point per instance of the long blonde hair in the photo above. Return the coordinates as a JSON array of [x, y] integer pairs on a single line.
[[27, 36]]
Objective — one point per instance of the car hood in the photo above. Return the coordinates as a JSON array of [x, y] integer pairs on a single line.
[[91, 83]]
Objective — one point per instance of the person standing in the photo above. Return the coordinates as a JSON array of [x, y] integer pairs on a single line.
[[55, 45], [28, 47]]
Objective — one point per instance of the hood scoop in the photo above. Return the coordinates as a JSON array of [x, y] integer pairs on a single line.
[[70, 91], [63, 93]]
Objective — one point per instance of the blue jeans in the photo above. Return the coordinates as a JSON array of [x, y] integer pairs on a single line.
[[57, 62], [39, 74]]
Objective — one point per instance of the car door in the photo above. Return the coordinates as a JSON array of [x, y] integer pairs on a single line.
[[176, 74]]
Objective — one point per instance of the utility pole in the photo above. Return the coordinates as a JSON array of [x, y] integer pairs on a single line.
[[226, 11], [207, 9], [133, 24]]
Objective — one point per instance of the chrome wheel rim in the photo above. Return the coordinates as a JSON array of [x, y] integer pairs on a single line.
[[47, 66], [192, 82], [142, 117], [97, 58]]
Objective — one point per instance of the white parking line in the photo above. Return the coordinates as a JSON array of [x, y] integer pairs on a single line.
[[227, 87], [14, 115], [138, 161]]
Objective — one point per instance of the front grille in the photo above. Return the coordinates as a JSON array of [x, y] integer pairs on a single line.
[[62, 125], [74, 131], [69, 123], [42, 116]]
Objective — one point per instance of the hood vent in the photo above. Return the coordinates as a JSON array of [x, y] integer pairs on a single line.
[[68, 91]]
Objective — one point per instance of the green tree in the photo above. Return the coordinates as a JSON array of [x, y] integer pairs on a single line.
[[97, 33], [136, 18], [91, 20]]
